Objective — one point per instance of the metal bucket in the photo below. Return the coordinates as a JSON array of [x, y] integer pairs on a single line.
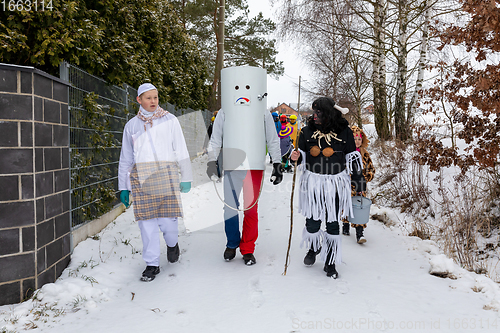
[[361, 210]]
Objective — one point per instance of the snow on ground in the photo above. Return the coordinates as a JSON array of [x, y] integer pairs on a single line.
[[384, 285]]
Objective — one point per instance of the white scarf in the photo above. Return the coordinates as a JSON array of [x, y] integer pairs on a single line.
[[148, 117]]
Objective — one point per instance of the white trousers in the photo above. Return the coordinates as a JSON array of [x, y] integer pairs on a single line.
[[151, 237]]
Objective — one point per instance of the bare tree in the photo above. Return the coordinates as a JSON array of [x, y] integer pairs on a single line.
[[340, 37], [339, 63], [422, 63], [380, 110]]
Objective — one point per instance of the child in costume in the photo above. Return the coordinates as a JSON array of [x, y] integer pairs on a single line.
[[152, 154], [277, 124], [276, 119], [286, 146], [209, 133], [295, 125], [368, 173], [327, 156], [209, 129]]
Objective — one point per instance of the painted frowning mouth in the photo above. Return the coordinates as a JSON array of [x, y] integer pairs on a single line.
[[242, 101]]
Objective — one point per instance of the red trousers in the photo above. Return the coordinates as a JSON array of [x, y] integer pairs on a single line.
[[251, 182]]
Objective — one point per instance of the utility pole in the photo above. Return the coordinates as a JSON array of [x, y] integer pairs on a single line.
[[220, 49], [298, 103]]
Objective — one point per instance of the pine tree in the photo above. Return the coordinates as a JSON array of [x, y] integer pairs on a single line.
[[246, 39], [121, 41]]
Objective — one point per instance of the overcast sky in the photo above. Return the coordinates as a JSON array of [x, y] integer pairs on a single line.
[[285, 89]]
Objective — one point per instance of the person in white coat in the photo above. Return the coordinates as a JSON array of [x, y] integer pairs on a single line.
[[152, 154]]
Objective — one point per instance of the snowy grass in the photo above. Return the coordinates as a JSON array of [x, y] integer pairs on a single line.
[[459, 212]]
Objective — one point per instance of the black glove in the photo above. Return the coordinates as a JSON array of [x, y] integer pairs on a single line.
[[277, 175], [212, 169]]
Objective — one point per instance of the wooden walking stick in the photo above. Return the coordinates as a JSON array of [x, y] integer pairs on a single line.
[[291, 204], [293, 185]]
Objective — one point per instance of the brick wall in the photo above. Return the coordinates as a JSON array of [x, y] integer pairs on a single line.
[[34, 181]]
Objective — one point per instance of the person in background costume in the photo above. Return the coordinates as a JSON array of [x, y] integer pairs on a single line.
[[368, 173], [276, 119], [277, 124], [286, 146], [209, 129], [207, 140], [152, 154], [283, 120], [327, 156], [294, 123], [243, 89]]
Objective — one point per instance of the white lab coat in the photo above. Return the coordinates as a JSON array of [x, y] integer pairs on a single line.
[[165, 139]]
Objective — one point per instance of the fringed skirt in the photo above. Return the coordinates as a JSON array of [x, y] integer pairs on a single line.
[[317, 196]]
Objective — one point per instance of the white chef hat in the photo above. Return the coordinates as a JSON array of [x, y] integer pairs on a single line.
[[144, 87]]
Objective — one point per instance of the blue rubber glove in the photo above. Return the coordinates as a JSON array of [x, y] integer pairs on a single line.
[[124, 198], [185, 187]]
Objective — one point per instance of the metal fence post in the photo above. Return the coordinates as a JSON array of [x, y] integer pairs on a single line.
[[64, 69]]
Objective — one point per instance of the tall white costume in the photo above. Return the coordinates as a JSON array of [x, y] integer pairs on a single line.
[[243, 128]]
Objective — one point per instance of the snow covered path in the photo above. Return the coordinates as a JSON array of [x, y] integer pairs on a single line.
[[384, 285]]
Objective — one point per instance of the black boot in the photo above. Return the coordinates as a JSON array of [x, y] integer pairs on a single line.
[[150, 273], [229, 254], [310, 257], [173, 253], [345, 229], [249, 259], [330, 269], [359, 235]]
